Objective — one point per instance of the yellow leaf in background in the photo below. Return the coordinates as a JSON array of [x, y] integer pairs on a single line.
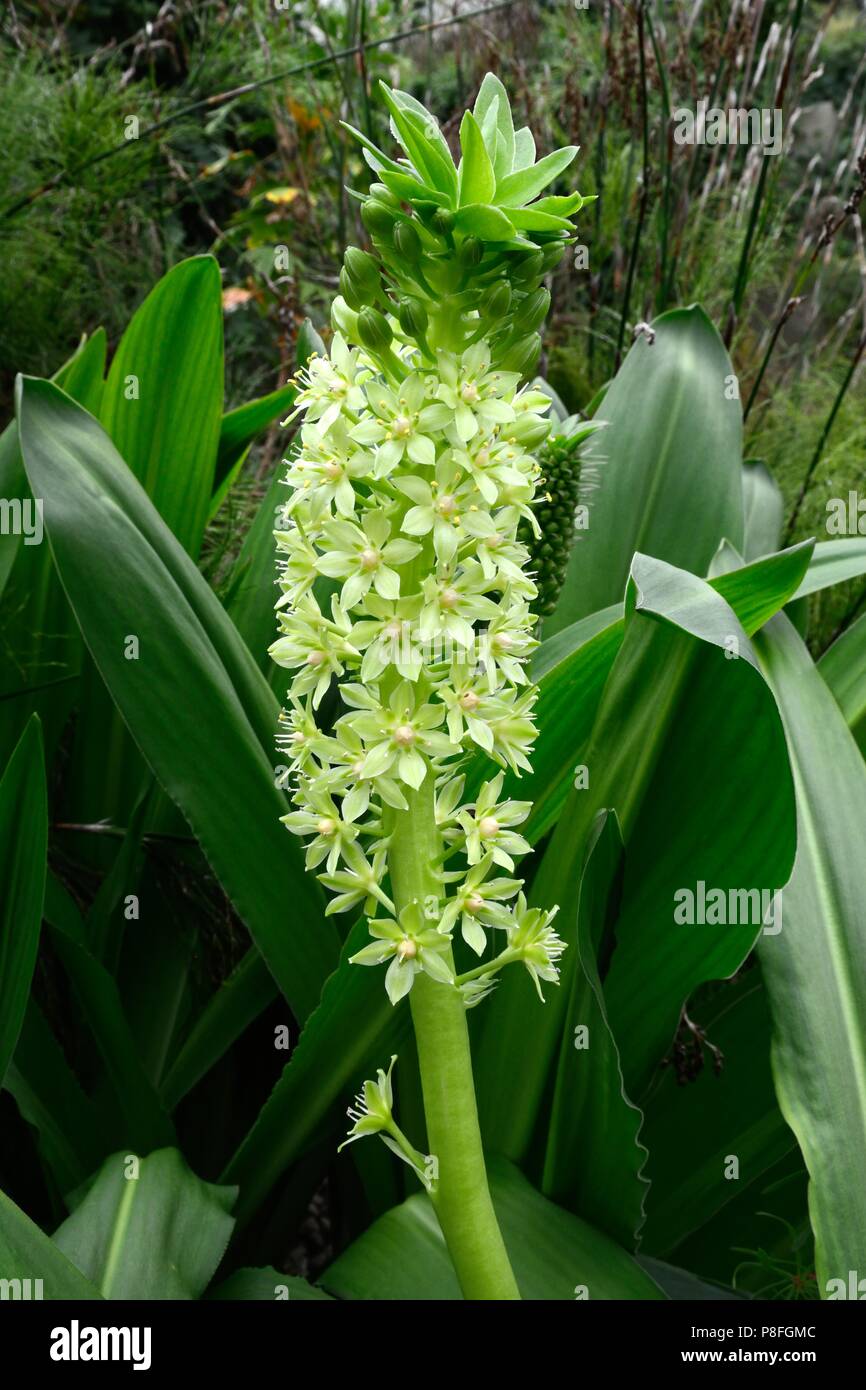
[[282, 195], [304, 119], [234, 297], [208, 170]]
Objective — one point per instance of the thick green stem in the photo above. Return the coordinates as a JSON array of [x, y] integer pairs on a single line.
[[461, 1196]]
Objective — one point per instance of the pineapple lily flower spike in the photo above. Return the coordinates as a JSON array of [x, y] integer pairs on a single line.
[[412, 474]]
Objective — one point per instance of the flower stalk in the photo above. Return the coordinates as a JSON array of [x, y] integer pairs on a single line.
[[414, 471]]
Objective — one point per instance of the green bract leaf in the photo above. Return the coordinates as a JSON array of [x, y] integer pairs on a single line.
[[476, 179], [493, 99], [420, 137], [518, 189], [484, 221]]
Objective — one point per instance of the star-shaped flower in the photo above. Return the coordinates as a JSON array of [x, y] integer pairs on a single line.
[[401, 424], [364, 556], [410, 945]]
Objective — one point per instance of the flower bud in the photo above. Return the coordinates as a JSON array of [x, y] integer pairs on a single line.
[[407, 242], [470, 252], [384, 195], [529, 268], [529, 431], [496, 301], [522, 355], [362, 272], [442, 221], [347, 290], [532, 310], [377, 218], [413, 317], [374, 330], [553, 254]]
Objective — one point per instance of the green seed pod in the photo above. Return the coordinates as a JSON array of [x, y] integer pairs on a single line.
[[413, 317], [377, 218], [407, 242], [469, 252], [496, 301], [374, 330], [362, 272], [442, 221]]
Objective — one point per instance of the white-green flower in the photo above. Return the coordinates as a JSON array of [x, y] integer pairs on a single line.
[[446, 506], [371, 1112], [364, 556], [322, 474], [536, 943], [316, 644], [478, 902], [514, 732], [487, 826], [360, 882], [332, 385], [388, 636], [410, 945], [401, 425], [397, 736], [470, 705], [321, 819], [454, 601], [478, 397]]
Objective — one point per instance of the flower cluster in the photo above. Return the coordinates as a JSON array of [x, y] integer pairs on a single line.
[[406, 607]]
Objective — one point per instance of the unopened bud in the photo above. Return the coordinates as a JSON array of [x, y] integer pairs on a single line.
[[497, 300], [523, 355], [407, 242], [530, 268], [363, 273], [413, 317], [377, 218], [532, 310], [470, 252], [442, 221], [374, 330]]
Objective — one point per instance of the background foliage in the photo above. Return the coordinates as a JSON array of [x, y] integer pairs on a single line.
[[192, 257]]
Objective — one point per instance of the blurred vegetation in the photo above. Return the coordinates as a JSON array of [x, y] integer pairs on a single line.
[[89, 218]]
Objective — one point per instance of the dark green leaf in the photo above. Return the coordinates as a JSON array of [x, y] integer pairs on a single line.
[[23, 849], [554, 1255], [815, 966], [193, 700], [672, 450], [148, 1228], [163, 400]]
